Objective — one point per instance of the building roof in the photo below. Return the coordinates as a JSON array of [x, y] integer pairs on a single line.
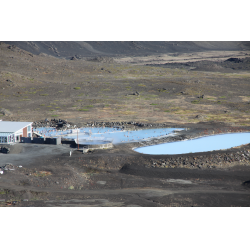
[[12, 127], [5, 134]]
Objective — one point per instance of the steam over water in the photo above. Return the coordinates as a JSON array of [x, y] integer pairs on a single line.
[[116, 135]]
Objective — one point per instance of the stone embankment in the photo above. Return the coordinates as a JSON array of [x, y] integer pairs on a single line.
[[125, 124], [208, 161], [54, 123], [64, 124]]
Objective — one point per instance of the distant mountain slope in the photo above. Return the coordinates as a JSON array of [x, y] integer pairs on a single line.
[[90, 49]]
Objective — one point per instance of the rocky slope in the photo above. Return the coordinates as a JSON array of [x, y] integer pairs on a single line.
[[79, 49]]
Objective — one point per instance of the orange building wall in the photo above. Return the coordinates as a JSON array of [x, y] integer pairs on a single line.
[[25, 134]]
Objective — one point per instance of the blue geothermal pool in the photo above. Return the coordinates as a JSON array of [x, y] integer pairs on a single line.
[[208, 143], [115, 135]]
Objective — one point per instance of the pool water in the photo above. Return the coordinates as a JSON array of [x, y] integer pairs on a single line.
[[204, 144], [115, 135]]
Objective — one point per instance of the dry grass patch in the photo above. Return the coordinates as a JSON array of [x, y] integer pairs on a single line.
[[195, 101], [227, 118], [184, 112], [127, 112], [210, 97], [245, 98], [83, 110], [42, 173], [25, 100]]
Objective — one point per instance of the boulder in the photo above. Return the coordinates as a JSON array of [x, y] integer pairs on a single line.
[[200, 117], [201, 96], [235, 60], [5, 112]]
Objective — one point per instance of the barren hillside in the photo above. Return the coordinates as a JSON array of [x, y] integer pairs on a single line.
[[137, 48]]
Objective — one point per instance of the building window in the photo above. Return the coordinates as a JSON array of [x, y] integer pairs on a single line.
[[29, 128], [3, 139]]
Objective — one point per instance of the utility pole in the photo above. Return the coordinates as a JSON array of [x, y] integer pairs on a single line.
[[77, 140]]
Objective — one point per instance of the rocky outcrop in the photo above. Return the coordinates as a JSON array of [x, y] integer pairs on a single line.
[[201, 117], [104, 59], [54, 123], [136, 93], [5, 112], [235, 60]]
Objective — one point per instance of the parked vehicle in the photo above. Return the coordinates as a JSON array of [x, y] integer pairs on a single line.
[[4, 150]]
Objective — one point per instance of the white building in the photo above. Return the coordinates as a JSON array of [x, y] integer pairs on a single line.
[[12, 131]]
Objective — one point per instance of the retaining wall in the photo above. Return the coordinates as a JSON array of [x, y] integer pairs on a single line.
[[71, 142], [26, 139], [37, 140], [97, 146], [55, 141]]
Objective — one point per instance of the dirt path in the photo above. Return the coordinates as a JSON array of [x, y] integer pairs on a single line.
[[142, 197]]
